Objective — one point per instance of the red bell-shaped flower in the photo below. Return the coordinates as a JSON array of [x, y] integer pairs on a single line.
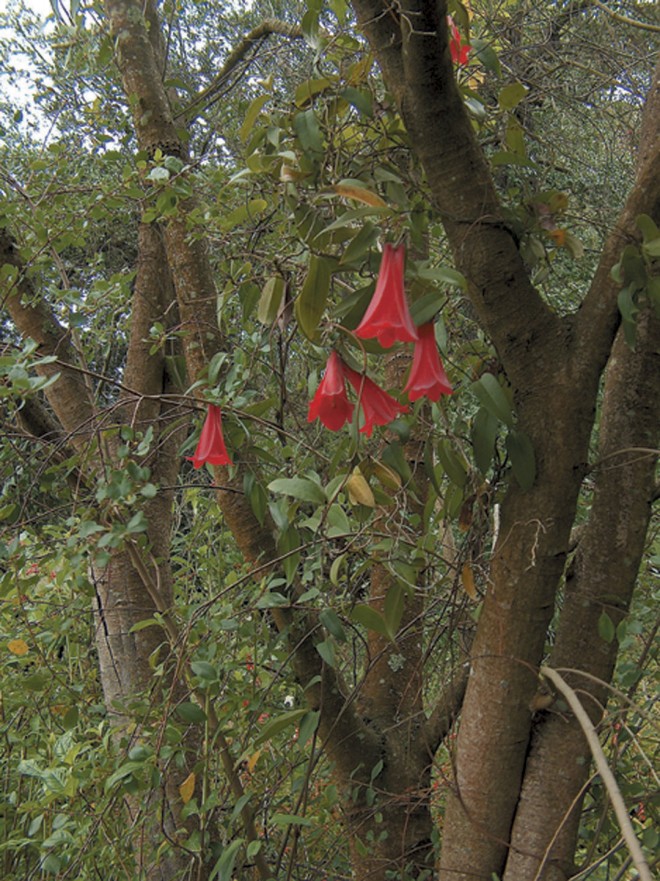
[[378, 408], [211, 445], [427, 375], [330, 403], [458, 49], [387, 317]]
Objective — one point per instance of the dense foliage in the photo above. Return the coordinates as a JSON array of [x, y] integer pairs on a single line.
[[301, 170]]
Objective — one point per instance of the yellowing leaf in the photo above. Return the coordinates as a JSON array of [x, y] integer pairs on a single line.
[[360, 194], [359, 491], [187, 788], [252, 761], [386, 475], [467, 577], [18, 647]]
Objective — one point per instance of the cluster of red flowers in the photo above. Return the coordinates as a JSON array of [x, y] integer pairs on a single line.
[[388, 320]]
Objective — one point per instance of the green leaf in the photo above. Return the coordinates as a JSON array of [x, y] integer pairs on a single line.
[[371, 619], [299, 488], [224, 868], [452, 463], [442, 274], [523, 460], [270, 301], [251, 116], [647, 225], [204, 670], [308, 725], [360, 244], [278, 724], [484, 434], [309, 88], [311, 302], [492, 396], [191, 713], [327, 651], [308, 132], [330, 620], [652, 249], [487, 56], [393, 608], [510, 96], [606, 629], [360, 100]]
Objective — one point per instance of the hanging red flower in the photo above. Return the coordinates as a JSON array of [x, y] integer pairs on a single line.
[[458, 49], [427, 374], [211, 448], [330, 403], [378, 408], [387, 317]]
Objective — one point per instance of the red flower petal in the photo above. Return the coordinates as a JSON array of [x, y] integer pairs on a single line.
[[459, 50], [211, 448], [330, 403], [387, 317], [427, 375], [378, 408]]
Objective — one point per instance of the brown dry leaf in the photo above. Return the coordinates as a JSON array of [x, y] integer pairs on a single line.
[[360, 194], [467, 577], [18, 647]]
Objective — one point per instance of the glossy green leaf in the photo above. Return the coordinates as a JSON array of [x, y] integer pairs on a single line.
[[492, 396], [330, 620], [452, 463], [270, 301], [278, 724], [327, 652], [606, 629], [299, 488], [191, 713], [393, 607], [510, 96], [370, 618], [308, 132], [251, 116], [523, 460], [310, 303], [483, 435]]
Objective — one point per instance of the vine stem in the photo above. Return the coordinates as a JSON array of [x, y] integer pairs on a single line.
[[604, 770]]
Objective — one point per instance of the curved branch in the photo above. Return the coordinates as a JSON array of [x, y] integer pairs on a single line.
[[604, 770], [252, 40], [69, 396], [624, 19]]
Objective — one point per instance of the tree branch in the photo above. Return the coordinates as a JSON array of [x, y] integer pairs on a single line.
[[239, 53], [606, 774], [413, 52]]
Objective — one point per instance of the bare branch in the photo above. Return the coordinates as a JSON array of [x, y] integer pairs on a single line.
[[604, 770]]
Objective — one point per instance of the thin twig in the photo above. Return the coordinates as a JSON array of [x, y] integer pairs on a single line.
[[605, 772]]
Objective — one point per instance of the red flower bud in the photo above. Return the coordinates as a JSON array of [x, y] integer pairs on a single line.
[[330, 403], [211, 445], [427, 375], [387, 317]]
